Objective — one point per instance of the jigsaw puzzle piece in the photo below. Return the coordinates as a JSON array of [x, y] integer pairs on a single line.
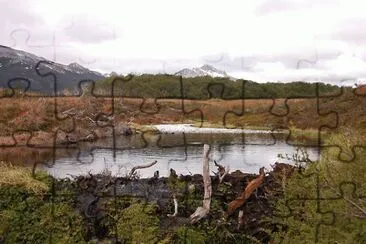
[[126, 100], [31, 115], [44, 44], [348, 106], [210, 108], [251, 113], [183, 104]]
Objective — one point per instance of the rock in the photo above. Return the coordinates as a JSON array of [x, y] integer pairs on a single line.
[[127, 131]]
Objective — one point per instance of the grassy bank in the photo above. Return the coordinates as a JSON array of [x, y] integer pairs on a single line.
[[284, 209], [338, 213], [38, 208]]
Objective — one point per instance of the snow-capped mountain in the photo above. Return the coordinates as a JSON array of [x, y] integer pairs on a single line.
[[205, 70], [17, 66]]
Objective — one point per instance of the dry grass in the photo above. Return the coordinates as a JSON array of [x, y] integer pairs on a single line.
[[11, 175], [36, 114]]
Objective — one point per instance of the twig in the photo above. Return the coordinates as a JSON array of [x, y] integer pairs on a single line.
[[205, 209], [222, 172], [91, 119], [69, 110]]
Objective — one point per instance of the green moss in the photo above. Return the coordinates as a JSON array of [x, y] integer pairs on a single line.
[[138, 223], [189, 235], [28, 218]]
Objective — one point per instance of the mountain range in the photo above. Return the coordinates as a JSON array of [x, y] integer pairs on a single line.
[[21, 69], [18, 68]]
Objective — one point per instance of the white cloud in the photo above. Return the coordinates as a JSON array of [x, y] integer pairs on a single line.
[[123, 36]]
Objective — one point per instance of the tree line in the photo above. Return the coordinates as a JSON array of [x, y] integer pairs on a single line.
[[170, 86]]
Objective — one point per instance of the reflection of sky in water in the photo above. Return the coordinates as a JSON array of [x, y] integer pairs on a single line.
[[247, 158]]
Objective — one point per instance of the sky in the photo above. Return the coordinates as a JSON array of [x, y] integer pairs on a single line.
[[260, 40]]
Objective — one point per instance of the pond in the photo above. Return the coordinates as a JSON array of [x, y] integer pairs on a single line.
[[179, 148]]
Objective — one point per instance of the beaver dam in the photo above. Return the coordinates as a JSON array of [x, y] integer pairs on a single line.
[[229, 207]]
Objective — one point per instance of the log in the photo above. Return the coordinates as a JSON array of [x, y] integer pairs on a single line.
[[133, 170]]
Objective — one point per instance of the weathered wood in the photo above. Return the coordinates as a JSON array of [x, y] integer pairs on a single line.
[[175, 207], [133, 170], [205, 209], [222, 172], [254, 184]]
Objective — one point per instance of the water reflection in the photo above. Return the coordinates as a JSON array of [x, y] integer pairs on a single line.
[[182, 152]]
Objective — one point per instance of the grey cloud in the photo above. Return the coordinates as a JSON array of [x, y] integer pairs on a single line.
[[271, 6], [350, 30], [275, 6], [17, 12], [292, 60], [87, 29]]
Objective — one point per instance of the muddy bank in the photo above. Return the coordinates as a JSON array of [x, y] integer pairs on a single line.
[[93, 195]]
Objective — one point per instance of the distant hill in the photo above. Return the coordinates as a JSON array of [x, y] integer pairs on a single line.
[[17, 67], [205, 70]]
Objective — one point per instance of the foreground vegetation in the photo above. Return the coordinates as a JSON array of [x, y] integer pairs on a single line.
[[326, 202], [322, 201], [315, 202]]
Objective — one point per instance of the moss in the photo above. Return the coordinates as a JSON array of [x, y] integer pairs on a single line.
[[138, 223], [29, 218], [189, 235]]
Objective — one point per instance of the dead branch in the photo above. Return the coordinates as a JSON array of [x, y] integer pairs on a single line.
[[249, 189], [175, 207], [205, 209], [222, 172], [240, 218], [133, 170]]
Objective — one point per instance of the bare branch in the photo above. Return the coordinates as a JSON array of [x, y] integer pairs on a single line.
[[175, 207], [133, 170], [252, 186], [205, 209], [240, 218], [222, 172]]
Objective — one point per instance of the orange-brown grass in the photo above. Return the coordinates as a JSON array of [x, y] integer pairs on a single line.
[[37, 114]]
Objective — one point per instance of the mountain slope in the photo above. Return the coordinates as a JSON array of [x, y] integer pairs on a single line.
[[205, 70], [18, 68]]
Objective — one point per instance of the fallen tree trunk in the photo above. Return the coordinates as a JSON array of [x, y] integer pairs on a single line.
[[254, 184], [133, 170], [205, 209]]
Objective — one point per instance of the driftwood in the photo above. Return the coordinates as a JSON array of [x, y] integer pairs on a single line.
[[175, 207], [133, 170], [222, 172], [249, 189], [240, 218], [205, 209]]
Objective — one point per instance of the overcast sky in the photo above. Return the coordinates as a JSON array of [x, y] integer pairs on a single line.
[[262, 40]]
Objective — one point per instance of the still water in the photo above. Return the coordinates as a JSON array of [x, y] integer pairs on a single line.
[[181, 151]]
